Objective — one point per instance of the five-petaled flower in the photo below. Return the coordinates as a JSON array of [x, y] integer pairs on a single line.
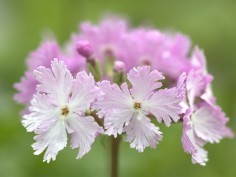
[[58, 108], [129, 110]]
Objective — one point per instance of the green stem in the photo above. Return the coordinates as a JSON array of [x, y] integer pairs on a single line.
[[115, 156]]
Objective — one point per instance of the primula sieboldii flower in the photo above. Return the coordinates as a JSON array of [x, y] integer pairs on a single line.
[[127, 110], [203, 121], [165, 52], [58, 108]]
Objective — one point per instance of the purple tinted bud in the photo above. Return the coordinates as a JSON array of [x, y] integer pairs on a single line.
[[84, 48], [119, 66]]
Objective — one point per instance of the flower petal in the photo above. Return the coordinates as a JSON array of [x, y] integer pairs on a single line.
[[191, 144], [201, 157], [26, 88], [141, 133], [52, 138], [45, 53], [209, 123], [56, 82], [41, 112], [85, 130], [114, 97], [144, 82], [187, 128], [164, 105], [83, 92], [116, 121], [196, 84]]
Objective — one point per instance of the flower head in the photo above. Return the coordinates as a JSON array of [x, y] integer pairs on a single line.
[[58, 108], [162, 51], [128, 110]]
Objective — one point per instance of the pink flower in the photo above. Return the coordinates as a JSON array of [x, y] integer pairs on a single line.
[[58, 108], [163, 51], [203, 121], [128, 110], [105, 39]]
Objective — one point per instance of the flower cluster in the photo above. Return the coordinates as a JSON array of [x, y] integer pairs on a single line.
[[138, 79]]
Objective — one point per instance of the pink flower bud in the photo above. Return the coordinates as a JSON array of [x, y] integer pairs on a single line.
[[84, 48], [119, 66]]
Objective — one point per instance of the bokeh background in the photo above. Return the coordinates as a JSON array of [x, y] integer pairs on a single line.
[[210, 24]]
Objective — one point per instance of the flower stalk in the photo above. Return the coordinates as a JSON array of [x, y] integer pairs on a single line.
[[115, 142]]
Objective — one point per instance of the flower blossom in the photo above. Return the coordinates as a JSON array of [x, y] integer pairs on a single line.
[[58, 108], [203, 121], [128, 110], [163, 51]]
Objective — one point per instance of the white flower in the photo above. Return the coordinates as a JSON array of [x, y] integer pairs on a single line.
[[127, 110], [58, 108]]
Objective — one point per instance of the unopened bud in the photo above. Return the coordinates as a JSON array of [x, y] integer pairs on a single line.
[[85, 49], [119, 66]]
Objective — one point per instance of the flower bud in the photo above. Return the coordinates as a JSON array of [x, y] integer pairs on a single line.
[[119, 66], [85, 49]]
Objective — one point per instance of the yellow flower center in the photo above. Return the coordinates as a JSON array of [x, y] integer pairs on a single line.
[[137, 105], [65, 111]]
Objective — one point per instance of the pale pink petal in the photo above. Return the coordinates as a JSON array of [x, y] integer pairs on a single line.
[[164, 105], [56, 82], [26, 88], [209, 123], [208, 96], [85, 130], [201, 157], [186, 134], [196, 84], [198, 60], [117, 120], [141, 133], [41, 112], [181, 86], [191, 144], [52, 138], [114, 97], [144, 82], [43, 56], [83, 92]]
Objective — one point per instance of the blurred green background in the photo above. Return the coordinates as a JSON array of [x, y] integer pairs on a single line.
[[210, 24]]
